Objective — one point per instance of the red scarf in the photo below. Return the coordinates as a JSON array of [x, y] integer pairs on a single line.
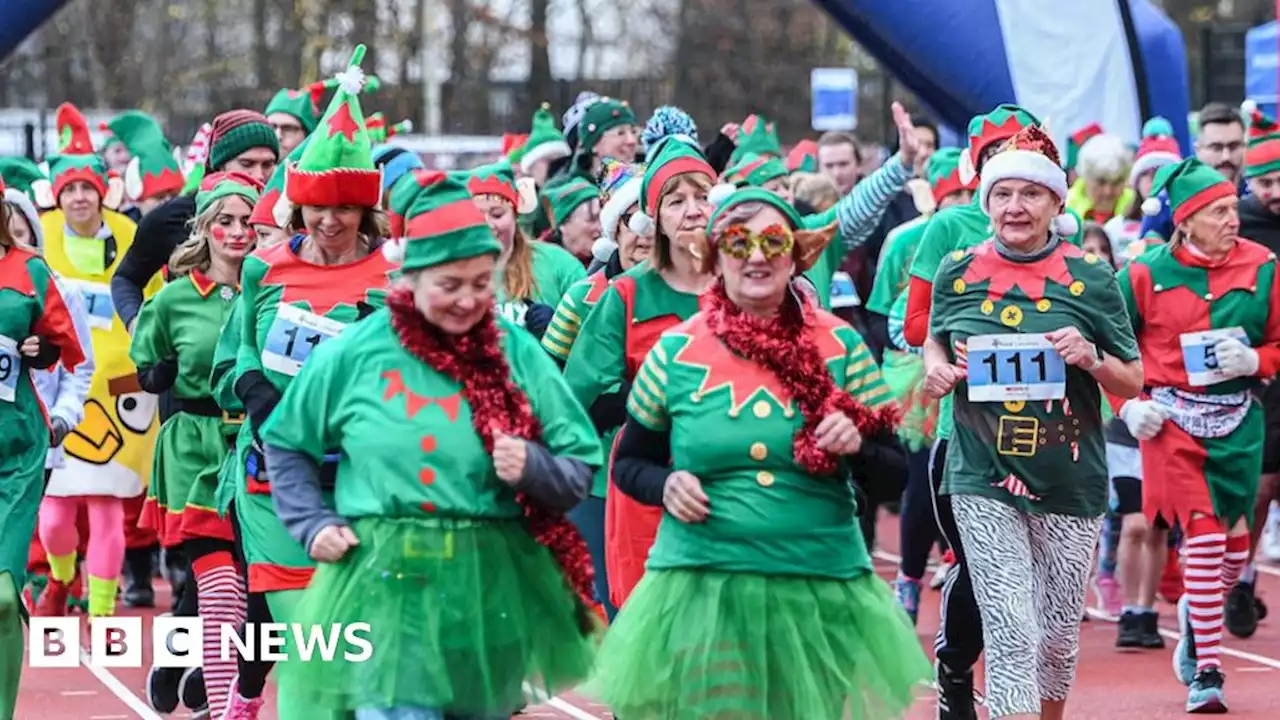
[[784, 346], [475, 360]]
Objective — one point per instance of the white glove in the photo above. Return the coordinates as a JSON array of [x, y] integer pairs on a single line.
[[1144, 418], [1235, 358]]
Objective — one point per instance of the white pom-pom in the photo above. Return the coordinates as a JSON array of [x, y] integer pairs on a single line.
[[602, 249], [1248, 106], [720, 193], [640, 224], [408, 126], [1151, 206], [351, 80], [1066, 225], [393, 250]]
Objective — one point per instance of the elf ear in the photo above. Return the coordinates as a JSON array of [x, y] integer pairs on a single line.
[[811, 243], [922, 196], [42, 194], [526, 195], [115, 193], [968, 173], [133, 179]]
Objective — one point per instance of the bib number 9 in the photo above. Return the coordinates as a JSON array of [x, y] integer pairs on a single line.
[[293, 335], [10, 368], [1015, 367]]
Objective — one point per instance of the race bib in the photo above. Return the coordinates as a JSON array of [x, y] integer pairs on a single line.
[[1015, 367], [10, 367], [1198, 355], [97, 303], [843, 293], [292, 337]]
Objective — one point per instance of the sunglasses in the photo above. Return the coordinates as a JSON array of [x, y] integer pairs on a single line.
[[773, 242]]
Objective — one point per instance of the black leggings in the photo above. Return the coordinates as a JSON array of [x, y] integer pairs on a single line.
[[253, 673], [918, 528]]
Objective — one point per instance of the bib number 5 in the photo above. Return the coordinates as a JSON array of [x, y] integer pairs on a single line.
[[293, 335], [1200, 358], [1015, 367]]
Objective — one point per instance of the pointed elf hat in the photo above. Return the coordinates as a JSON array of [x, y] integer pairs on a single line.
[[803, 157], [754, 171], [304, 104], [401, 196], [499, 179], [1263, 153], [1077, 140], [153, 170], [74, 161], [1000, 124], [1157, 149], [337, 167], [272, 209], [441, 225], [512, 146], [1191, 185], [758, 137], [1030, 155], [619, 190], [380, 132], [544, 142], [673, 157], [943, 171], [20, 173]]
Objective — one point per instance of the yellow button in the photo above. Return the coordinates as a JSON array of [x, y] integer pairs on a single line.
[[761, 409], [759, 451], [765, 478]]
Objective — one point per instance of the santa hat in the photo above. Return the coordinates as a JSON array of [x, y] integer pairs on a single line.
[[803, 157], [1263, 153], [545, 141], [75, 161], [441, 225], [1032, 156], [499, 179], [943, 171], [620, 189], [153, 170], [1077, 140], [337, 167], [193, 166], [1157, 149], [754, 171], [989, 129], [1191, 185], [673, 158], [758, 137]]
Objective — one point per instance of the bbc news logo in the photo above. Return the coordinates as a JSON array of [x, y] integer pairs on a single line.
[[179, 642]]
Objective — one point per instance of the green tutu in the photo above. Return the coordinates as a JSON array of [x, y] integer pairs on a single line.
[[461, 614], [720, 646]]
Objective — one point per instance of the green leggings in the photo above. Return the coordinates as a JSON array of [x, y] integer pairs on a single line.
[[11, 642], [284, 608]]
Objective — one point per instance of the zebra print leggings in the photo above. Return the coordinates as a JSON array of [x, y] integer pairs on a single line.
[[1029, 577]]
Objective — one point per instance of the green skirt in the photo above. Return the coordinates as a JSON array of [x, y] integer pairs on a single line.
[[181, 505], [460, 613], [712, 645]]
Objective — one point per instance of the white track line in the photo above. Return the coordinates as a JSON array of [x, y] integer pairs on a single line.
[[118, 688], [563, 706], [1170, 634]]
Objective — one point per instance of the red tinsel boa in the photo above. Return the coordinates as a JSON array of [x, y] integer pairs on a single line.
[[475, 360], [784, 346]]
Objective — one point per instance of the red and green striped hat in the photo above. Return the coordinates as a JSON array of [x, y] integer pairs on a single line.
[[1191, 186], [1077, 140], [337, 167], [499, 179], [674, 157], [943, 170], [1000, 124], [1263, 154], [154, 170], [754, 171], [441, 224]]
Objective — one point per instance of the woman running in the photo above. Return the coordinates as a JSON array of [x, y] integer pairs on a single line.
[[746, 423], [462, 449]]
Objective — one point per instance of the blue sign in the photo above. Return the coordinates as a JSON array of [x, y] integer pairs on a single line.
[[835, 99], [1261, 65]]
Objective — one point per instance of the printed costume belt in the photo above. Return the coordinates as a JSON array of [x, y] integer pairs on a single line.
[[1203, 416]]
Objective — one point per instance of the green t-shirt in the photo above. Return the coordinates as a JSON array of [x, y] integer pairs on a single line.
[[732, 426], [1041, 456], [405, 430], [893, 271]]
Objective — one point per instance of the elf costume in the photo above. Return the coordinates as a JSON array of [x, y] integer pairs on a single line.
[[633, 311], [471, 585], [782, 538], [1209, 330], [30, 304], [153, 172]]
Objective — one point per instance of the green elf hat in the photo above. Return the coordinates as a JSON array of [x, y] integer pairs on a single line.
[[441, 224], [1077, 140], [76, 160], [271, 209], [153, 170], [1000, 124], [1191, 185], [499, 179], [803, 157], [726, 198], [337, 167], [943, 170], [602, 116], [1263, 153], [674, 157], [754, 171], [559, 201], [219, 185], [304, 104], [20, 173], [545, 142], [380, 131], [757, 137]]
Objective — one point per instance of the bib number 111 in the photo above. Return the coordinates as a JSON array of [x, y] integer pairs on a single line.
[[1015, 367]]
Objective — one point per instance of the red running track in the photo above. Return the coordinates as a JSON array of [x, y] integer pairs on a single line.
[[1110, 686]]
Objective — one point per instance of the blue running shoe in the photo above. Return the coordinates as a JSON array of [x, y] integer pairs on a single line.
[[1184, 655], [907, 592], [1205, 696]]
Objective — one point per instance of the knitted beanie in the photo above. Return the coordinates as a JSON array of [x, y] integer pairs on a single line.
[[225, 184], [1030, 155], [1263, 153], [239, 131], [573, 116], [667, 120], [441, 225]]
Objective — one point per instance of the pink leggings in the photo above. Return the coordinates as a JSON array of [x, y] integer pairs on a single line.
[[58, 534]]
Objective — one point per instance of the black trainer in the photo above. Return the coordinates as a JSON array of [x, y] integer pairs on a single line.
[[162, 688], [1241, 613], [191, 690], [1129, 630], [1260, 608], [1151, 637], [955, 693]]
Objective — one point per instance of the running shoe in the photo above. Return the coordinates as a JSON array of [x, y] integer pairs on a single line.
[[1205, 694], [1151, 637], [955, 693], [1184, 655], [944, 566], [191, 690], [162, 688], [1241, 613], [1129, 630], [239, 708], [907, 592], [1107, 591]]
